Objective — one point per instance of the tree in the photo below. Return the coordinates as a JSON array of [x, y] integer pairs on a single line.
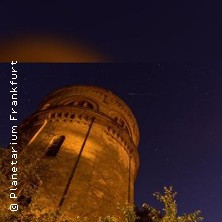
[[150, 214], [31, 182]]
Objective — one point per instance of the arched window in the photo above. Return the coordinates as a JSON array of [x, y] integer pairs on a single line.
[[84, 104], [88, 105], [55, 145]]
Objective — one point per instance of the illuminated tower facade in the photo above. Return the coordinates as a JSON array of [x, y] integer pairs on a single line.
[[88, 139]]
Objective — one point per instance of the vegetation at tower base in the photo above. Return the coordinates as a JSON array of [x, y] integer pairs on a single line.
[[30, 184]]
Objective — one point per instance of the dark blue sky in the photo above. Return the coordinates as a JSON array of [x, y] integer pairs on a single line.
[[178, 108], [159, 31]]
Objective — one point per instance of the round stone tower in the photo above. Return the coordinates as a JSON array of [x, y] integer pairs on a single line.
[[89, 138]]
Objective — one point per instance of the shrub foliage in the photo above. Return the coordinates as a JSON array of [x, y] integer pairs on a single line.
[[30, 181]]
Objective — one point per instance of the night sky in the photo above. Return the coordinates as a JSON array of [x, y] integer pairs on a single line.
[[151, 31], [178, 109]]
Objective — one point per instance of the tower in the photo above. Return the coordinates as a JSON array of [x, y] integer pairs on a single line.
[[88, 139]]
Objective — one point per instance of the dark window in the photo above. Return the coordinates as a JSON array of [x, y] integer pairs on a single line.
[[127, 130], [85, 104], [72, 116], [66, 115], [59, 115], [81, 104], [55, 146], [88, 105], [116, 119], [121, 122]]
